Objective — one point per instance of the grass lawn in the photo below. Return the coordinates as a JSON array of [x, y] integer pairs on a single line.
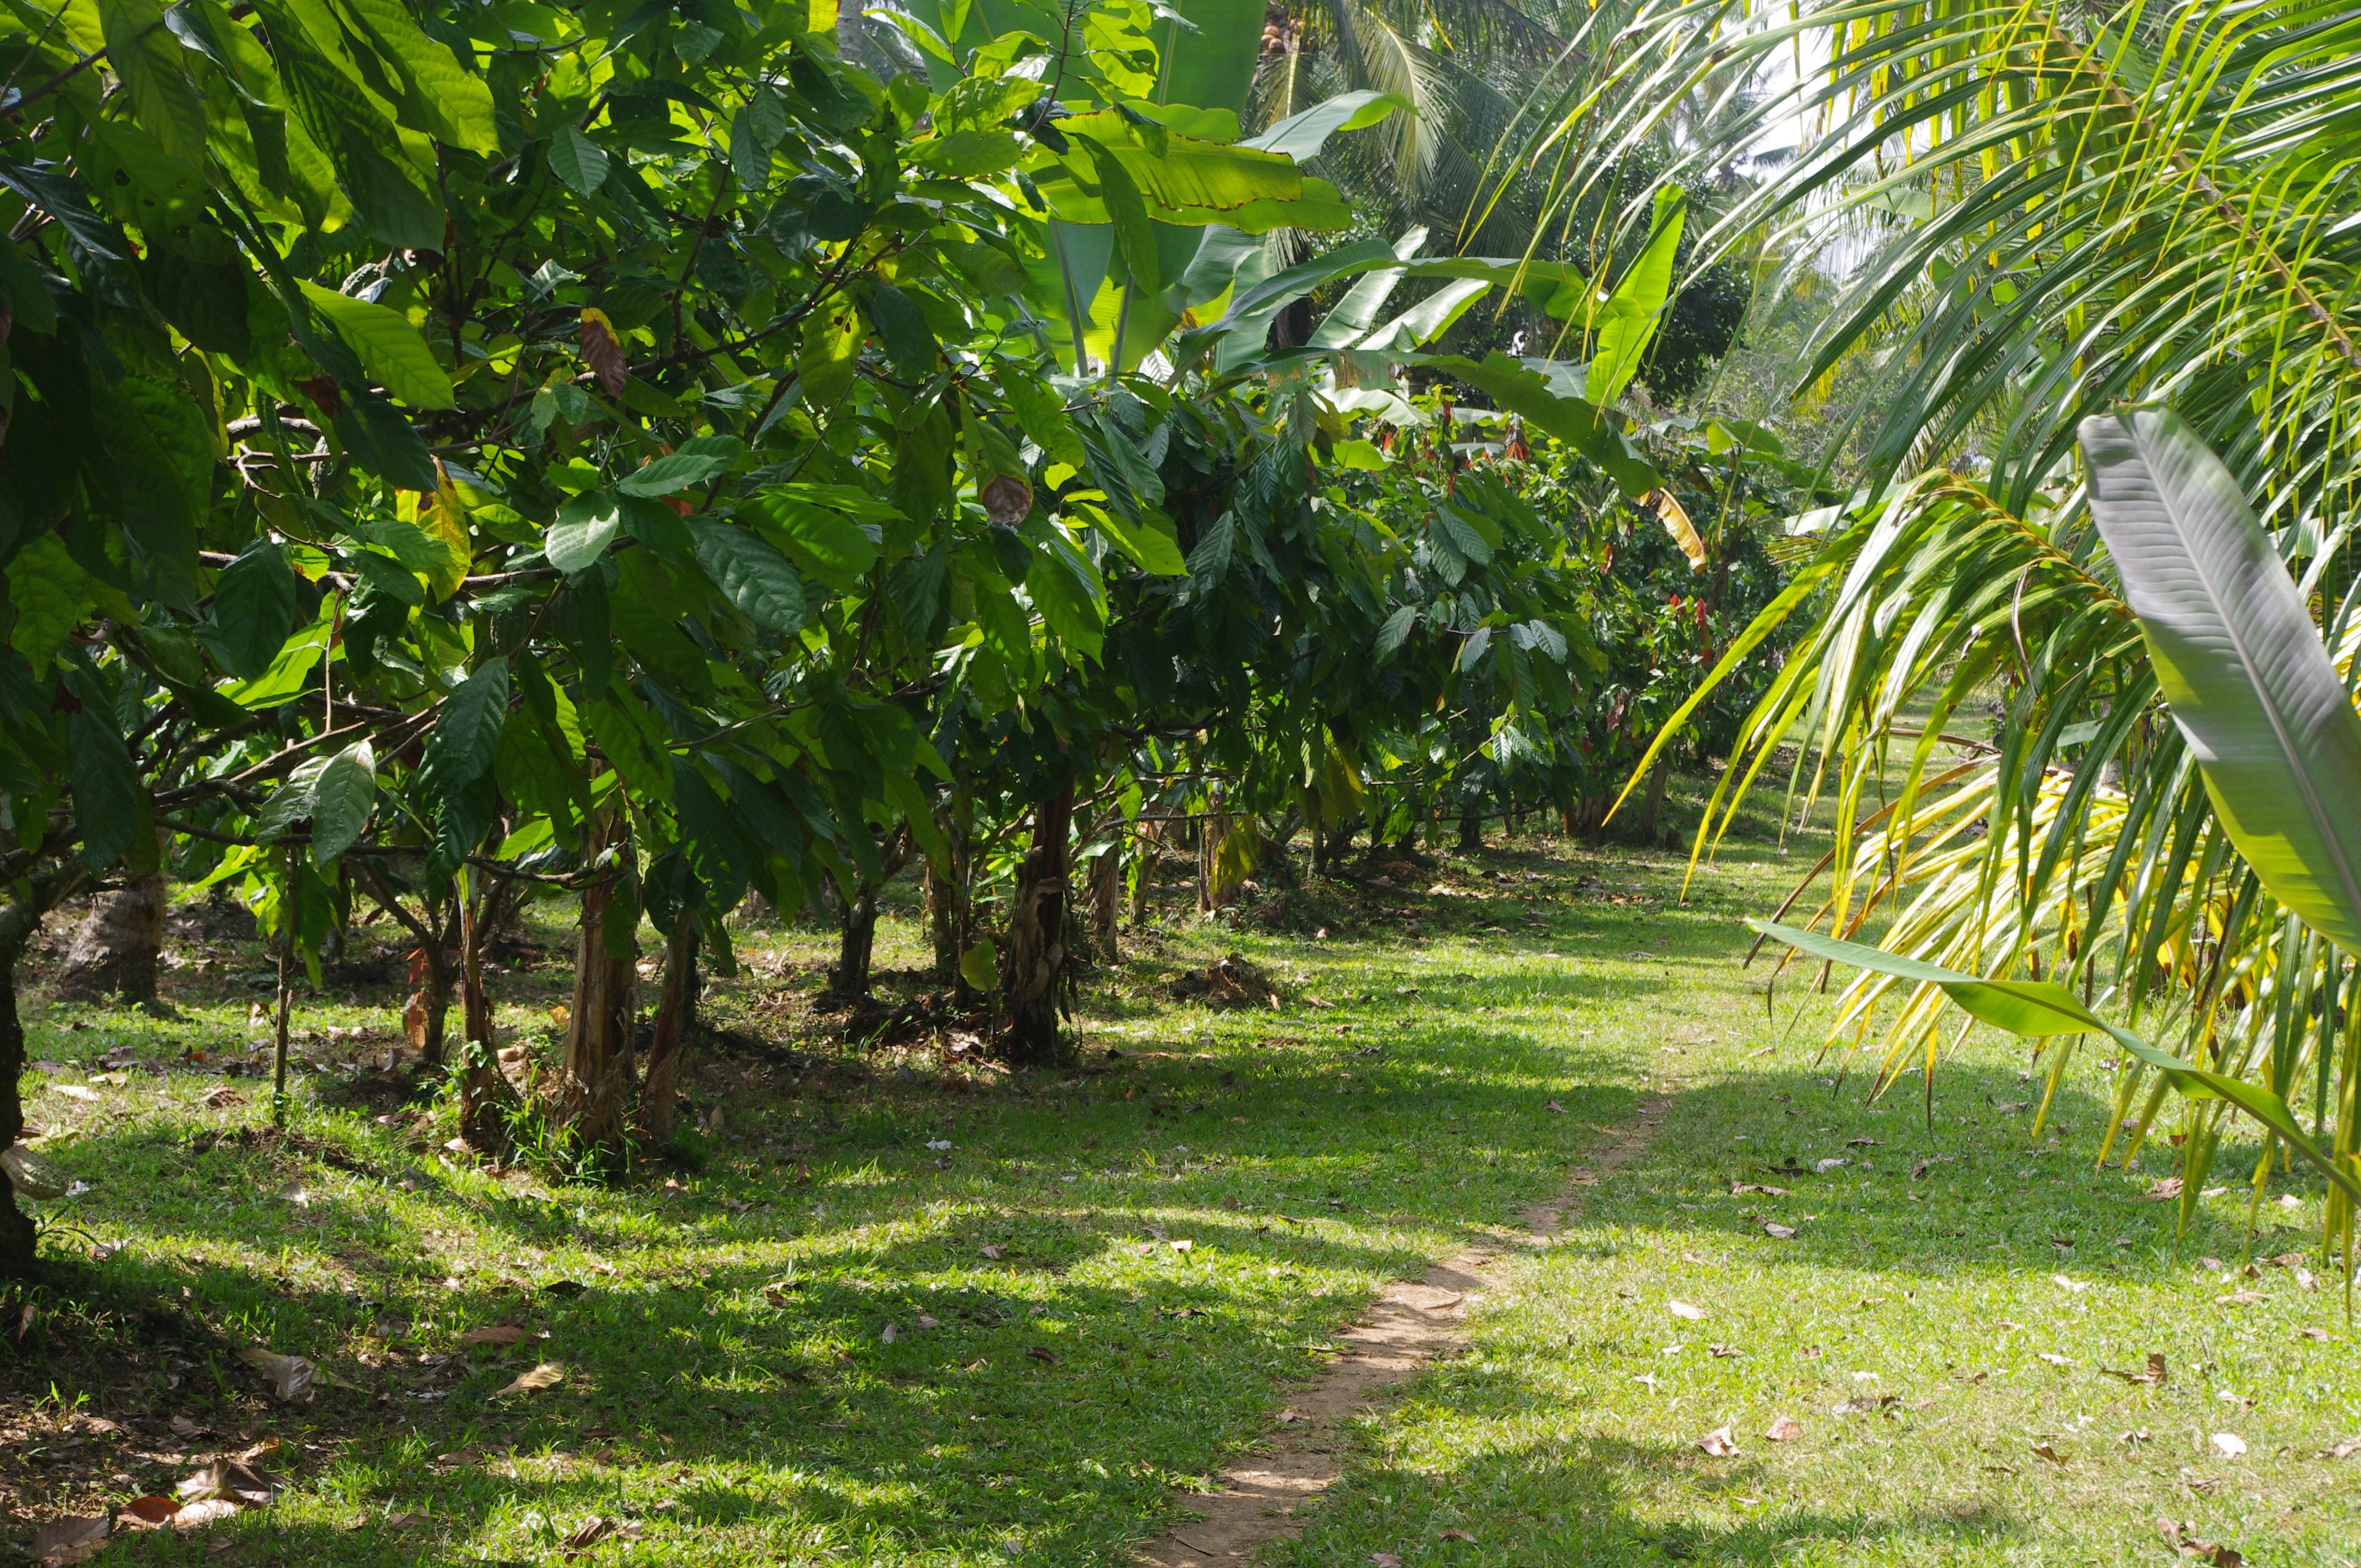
[[901, 1308]]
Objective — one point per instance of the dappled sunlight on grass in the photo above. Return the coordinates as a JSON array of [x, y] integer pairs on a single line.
[[1100, 1282]]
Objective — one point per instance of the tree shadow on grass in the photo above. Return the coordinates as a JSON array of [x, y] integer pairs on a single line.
[[1593, 1502], [1973, 1192], [791, 1414]]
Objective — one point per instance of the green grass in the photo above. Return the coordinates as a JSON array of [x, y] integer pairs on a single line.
[[729, 1389]]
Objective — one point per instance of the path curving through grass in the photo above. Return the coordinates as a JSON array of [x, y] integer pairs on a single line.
[[905, 1309]]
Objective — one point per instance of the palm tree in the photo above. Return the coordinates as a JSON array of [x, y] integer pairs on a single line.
[[1463, 66], [2052, 210]]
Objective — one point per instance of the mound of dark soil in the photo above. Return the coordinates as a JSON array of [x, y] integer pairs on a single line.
[[1231, 983]]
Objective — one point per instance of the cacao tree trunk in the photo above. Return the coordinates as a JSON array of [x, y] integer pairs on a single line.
[[594, 1080], [483, 1092], [1216, 832], [942, 921], [120, 944], [1651, 809], [856, 939], [948, 917], [286, 999], [432, 997], [1471, 826], [19, 918], [1107, 903], [857, 926], [15, 1226], [1147, 848], [676, 1021], [1033, 978], [425, 1016]]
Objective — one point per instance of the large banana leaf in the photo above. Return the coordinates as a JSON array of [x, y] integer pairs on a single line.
[[1626, 320], [2239, 660], [2039, 1009], [1210, 48]]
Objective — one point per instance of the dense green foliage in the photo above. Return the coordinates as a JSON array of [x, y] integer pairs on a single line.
[[651, 457]]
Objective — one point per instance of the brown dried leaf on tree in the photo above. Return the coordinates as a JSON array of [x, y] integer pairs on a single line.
[[602, 350], [1007, 499]]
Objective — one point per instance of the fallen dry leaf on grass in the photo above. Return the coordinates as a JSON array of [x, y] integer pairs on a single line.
[[1786, 1429], [1038, 1354], [2239, 1298], [2155, 1376], [69, 1539], [291, 1376], [994, 1251], [548, 1374], [1384, 1560], [2053, 1358], [221, 1097], [146, 1513], [2051, 1454], [1777, 1232], [1458, 1535], [2181, 1536], [2343, 1450], [232, 1481], [495, 1333], [2164, 1190], [593, 1530], [2229, 1444], [1683, 1310], [1737, 1188], [1718, 1442], [211, 1510]]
